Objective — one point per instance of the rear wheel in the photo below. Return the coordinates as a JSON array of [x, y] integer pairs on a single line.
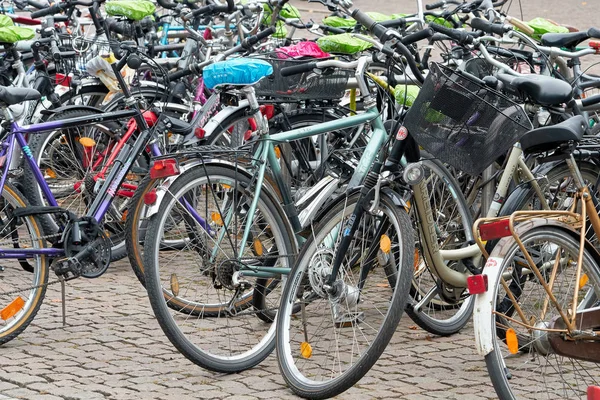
[[533, 369]]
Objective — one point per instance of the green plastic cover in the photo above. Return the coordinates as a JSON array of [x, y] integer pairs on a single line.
[[5, 20], [440, 20], [406, 94], [288, 11], [12, 34], [340, 22], [343, 43], [132, 9], [542, 25]]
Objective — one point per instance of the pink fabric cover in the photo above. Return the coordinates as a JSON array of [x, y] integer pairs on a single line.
[[301, 49]]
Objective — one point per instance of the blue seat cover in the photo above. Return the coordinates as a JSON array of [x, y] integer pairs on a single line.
[[237, 71]]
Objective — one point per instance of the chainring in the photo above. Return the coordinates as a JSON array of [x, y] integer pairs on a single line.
[[96, 263]]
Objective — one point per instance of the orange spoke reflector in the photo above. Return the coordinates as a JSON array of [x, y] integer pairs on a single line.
[[216, 218], [124, 216], [583, 280], [407, 208], [258, 247], [306, 350], [385, 244], [225, 186], [87, 141], [50, 173], [14, 307], [277, 151], [511, 341], [416, 259], [174, 285]]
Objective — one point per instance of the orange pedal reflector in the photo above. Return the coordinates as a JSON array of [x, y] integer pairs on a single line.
[[583, 280], [512, 341], [416, 259], [306, 350], [14, 307]]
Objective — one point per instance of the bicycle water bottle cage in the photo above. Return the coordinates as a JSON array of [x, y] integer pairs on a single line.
[[239, 71]]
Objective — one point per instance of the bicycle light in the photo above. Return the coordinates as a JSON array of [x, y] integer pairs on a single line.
[[413, 173], [477, 284], [164, 168]]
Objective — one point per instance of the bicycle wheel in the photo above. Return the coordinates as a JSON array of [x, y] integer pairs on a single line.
[[535, 369], [326, 343], [435, 306], [22, 282], [202, 302]]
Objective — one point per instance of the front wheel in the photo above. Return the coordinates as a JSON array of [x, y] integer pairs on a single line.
[[328, 340], [524, 314]]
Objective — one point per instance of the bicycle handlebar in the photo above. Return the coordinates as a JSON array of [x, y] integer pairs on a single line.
[[461, 37], [486, 26], [55, 9], [442, 3], [36, 5], [298, 69], [211, 9]]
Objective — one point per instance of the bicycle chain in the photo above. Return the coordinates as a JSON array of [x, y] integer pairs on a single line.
[[30, 288]]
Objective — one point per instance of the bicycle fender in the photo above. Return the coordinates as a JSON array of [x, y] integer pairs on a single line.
[[163, 188], [314, 199], [214, 123], [71, 107]]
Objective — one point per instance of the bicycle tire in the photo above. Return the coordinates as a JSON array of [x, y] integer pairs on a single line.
[[530, 372], [217, 349], [390, 288], [442, 316], [12, 326]]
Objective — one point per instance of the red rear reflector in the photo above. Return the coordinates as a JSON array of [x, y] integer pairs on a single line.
[[150, 197], [164, 168], [477, 284], [594, 45], [494, 230], [199, 133], [268, 110]]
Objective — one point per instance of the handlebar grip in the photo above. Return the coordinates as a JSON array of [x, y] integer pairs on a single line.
[[460, 36], [433, 6], [415, 37], [588, 101], [55, 9], [252, 40], [486, 26], [523, 27], [370, 24], [393, 23], [231, 5], [331, 29], [166, 4], [56, 56], [298, 69], [37, 5]]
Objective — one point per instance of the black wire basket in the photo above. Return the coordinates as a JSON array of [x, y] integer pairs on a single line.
[[463, 122], [329, 84]]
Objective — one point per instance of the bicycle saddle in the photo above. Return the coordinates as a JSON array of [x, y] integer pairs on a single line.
[[15, 95], [238, 71], [544, 90], [548, 137], [570, 39]]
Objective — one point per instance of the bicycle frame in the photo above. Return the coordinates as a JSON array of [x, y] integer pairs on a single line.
[[108, 190], [265, 154]]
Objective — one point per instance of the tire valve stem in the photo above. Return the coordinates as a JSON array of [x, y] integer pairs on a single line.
[[305, 347]]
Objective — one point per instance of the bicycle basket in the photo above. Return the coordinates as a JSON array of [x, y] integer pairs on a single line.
[[326, 85], [463, 122]]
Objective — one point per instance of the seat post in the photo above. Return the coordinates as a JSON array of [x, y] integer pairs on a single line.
[[8, 116]]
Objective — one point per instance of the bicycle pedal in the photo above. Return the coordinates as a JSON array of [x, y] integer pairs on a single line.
[[67, 268], [348, 320]]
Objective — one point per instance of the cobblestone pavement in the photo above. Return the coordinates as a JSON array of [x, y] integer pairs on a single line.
[[112, 347]]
